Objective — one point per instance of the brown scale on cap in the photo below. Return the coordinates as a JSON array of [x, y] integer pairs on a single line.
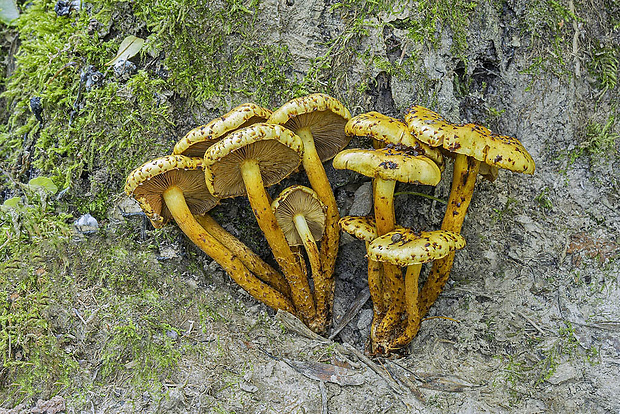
[[196, 141], [392, 132]]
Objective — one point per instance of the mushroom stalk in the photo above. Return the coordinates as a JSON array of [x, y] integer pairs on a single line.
[[300, 289], [331, 235], [394, 287], [250, 259], [375, 287], [320, 281], [175, 201], [411, 304], [463, 181]]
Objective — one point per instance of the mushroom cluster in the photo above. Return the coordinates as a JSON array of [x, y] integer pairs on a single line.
[[240, 154], [250, 148], [413, 152]]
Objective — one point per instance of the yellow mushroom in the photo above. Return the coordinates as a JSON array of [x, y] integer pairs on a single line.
[[473, 145], [386, 167], [196, 141], [301, 216], [405, 247], [319, 121], [174, 187], [244, 163]]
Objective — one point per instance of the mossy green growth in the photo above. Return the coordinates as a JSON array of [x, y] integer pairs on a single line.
[[213, 50], [66, 299], [108, 128], [32, 355]]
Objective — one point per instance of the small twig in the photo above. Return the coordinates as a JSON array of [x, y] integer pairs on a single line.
[[77, 313], [538, 328], [408, 383], [8, 239], [92, 316], [355, 308], [393, 385], [189, 330]]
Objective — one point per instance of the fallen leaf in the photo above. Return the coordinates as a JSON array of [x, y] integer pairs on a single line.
[[325, 372], [129, 47]]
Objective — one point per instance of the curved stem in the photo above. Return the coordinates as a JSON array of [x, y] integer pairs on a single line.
[[411, 304], [320, 282], [463, 182], [331, 236], [375, 287], [250, 259], [175, 201], [300, 289]]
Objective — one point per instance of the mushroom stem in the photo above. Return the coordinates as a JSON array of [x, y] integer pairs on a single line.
[[331, 235], [393, 284], [175, 201], [250, 259], [463, 181], [411, 304], [300, 289], [375, 287], [320, 282]]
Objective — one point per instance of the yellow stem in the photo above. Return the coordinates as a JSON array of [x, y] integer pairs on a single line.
[[331, 235], [393, 286], [375, 287], [300, 289], [175, 201], [251, 260], [320, 288], [411, 304], [463, 182]]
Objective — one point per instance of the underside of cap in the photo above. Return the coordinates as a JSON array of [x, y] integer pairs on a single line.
[[389, 164], [276, 149], [302, 200], [390, 131], [198, 140], [323, 115], [148, 182], [404, 247]]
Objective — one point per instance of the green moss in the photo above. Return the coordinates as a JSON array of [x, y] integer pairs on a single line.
[[213, 51], [31, 354]]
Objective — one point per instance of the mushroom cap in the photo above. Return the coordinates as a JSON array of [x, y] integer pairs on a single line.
[[391, 131], [277, 150], [469, 139], [196, 141], [302, 200], [360, 227], [389, 164], [428, 126], [404, 247], [324, 115], [148, 182], [493, 149]]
